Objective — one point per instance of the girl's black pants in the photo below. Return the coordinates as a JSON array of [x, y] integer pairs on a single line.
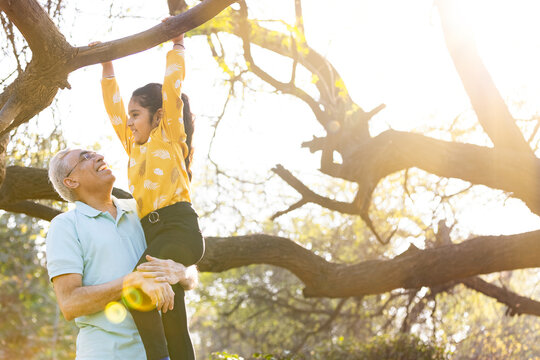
[[172, 233]]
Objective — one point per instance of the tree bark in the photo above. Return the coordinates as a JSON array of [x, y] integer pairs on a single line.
[[509, 166], [392, 151], [517, 305], [412, 269], [25, 183], [147, 39], [53, 58]]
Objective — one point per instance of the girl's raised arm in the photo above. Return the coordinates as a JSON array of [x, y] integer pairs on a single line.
[[172, 122], [114, 105]]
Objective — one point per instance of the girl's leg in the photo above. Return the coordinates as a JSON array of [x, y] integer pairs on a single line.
[[149, 323], [177, 238], [185, 247], [175, 324], [150, 326]]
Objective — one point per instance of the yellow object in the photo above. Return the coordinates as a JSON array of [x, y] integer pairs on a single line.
[[136, 299], [156, 171], [115, 312]]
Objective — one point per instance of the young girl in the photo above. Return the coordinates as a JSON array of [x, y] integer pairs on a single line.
[[156, 134]]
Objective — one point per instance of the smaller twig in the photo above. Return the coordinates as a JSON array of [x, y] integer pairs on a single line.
[[374, 111], [316, 144], [535, 130], [309, 195], [286, 88], [405, 187], [324, 326], [380, 239], [517, 304], [234, 308], [294, 206], [6, 78], [8, 28]]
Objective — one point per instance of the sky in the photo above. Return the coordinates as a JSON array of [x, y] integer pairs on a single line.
[[387, 51]]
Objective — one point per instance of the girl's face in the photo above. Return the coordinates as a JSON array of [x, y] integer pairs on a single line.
[[140, 122]]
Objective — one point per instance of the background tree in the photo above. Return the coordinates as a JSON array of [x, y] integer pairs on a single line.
[[392, 162], [32, 326]]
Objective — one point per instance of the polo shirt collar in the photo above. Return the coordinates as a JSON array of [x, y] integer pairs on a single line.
[[86, 209], [89, 211]]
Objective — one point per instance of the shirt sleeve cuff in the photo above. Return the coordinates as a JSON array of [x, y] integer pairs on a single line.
[[64, 271]]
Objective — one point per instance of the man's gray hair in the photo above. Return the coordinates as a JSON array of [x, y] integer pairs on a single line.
[[58, 170]]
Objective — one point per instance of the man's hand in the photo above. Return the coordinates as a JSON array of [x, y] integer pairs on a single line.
[[169, 271], [160, 293]]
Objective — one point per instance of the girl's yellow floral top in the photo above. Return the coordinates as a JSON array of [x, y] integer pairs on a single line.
[[156, 170]]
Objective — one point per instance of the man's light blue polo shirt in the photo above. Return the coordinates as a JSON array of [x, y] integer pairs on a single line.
[[92, 243]]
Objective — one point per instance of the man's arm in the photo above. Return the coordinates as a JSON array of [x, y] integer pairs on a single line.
[[76, 300]]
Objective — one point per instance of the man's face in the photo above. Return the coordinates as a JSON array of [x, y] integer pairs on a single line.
[[88, 169]]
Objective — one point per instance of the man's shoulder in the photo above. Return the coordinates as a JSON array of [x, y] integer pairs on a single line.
[[62, 228], [64, 218]]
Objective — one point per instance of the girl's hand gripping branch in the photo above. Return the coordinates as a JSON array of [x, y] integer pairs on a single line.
[[108, 69], [178, 41]]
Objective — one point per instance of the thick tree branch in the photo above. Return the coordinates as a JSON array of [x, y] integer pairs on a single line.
[[54, 58], [392, 151], [156, 35], [414, 269], [299, 16], [490, 108], [176, 6], [411, 269], [36, 26], [27, 183], [32, 209]]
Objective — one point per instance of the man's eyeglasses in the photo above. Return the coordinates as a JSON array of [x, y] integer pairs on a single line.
[[85, 155]]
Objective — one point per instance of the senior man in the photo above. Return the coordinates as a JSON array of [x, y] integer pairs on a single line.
[[91, 253]]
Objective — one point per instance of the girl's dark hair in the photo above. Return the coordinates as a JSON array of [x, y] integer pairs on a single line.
[[149, 97]]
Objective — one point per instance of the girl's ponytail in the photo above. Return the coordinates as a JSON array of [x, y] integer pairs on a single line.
[[189, 127]]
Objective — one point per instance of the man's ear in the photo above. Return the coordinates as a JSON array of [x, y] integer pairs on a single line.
[[70, 183], [157, 117]]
